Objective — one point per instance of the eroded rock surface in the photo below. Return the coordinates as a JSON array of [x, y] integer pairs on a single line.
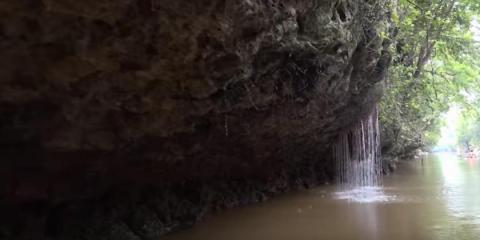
[[125, 119]]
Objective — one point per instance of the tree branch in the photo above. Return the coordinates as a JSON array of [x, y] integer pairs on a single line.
[[416, 5]]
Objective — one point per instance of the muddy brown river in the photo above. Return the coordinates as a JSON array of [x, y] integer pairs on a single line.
[[437, 199]]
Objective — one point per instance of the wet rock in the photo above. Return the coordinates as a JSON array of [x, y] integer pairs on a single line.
[[212, 103]]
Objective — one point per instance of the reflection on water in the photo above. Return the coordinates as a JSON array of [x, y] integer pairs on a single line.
[[436, 200], [461, 189]]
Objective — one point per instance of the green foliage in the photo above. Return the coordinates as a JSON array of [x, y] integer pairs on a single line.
[[468, 130], [434, 67]]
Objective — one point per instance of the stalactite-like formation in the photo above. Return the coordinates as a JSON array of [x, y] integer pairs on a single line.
[[357, 154]]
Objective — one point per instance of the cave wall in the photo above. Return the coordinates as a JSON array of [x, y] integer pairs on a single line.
[[117, 109]]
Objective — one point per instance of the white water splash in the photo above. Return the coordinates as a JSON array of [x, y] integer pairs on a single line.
[[358, 162], [365, 195]]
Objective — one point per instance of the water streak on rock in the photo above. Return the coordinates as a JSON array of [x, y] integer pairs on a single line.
[[357, 154]]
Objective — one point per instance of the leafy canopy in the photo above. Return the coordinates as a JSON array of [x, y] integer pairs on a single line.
[[435, 66]]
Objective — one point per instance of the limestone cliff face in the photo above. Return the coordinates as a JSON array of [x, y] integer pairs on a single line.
[[122, 97]]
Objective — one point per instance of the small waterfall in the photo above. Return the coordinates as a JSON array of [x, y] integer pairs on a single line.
[[357, 156]]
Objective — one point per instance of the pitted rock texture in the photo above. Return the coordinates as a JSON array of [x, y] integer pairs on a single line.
[[118, 97]]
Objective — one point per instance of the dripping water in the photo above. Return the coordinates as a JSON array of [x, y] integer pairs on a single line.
[[358, 162]]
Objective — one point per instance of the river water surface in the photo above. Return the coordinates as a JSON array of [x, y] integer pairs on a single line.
[[437, 199]]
